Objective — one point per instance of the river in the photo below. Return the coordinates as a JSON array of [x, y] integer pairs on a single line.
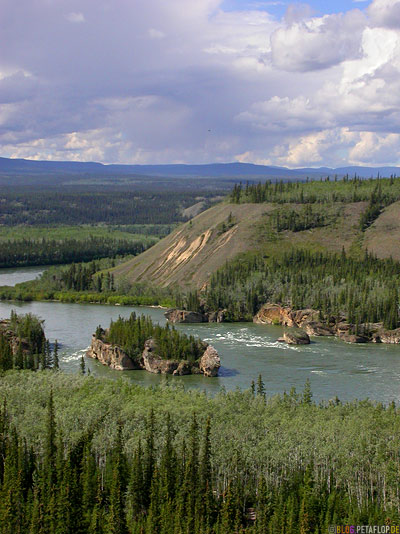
[[246, 350]]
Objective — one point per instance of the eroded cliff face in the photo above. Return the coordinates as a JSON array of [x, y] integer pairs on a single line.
[[114, 357], [111, 355], [308, 321]]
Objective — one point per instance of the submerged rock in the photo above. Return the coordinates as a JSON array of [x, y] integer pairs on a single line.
[[354, 338]]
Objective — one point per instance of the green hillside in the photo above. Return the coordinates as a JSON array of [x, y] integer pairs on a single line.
[[273, 218]]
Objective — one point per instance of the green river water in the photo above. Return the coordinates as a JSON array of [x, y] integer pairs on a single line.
[[333, 367]]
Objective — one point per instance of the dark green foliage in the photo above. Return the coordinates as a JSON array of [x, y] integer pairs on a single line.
[[18, 253], [298, 220], [76, 205], [132, 333], [378, 192], [375, 206], [360, 290], [23, 344], [30, 327]]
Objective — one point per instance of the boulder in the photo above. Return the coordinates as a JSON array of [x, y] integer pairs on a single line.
[[296, 337], [184, 316], [315, 328], [210, 362], [111, 355], [354, 338]]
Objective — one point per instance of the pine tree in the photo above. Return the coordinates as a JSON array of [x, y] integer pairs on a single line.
[[261, 387], [307, 393]]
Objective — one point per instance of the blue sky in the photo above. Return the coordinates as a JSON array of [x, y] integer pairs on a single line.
[[278, 7], [198, 81]]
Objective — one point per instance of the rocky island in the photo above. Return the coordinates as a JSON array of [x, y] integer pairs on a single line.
[[135, 343], [23, 344]]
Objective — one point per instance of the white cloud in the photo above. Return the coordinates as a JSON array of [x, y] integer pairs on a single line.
[[385, 13], [318, 43], [147, 81], [75, 18]]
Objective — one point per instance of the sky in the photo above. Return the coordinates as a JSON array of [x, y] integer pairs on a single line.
[[197, 81]]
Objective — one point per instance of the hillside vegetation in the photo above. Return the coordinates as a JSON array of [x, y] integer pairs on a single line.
[[273, 218]]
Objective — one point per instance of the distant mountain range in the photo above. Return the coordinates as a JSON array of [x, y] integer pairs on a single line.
[[58, 169]]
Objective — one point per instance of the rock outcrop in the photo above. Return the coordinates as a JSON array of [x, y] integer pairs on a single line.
[[111, 355], [315, 328], [274, 314], [386, 336], [185, 316], [210, 362], [354, 338], [114, 357], [308, 320]]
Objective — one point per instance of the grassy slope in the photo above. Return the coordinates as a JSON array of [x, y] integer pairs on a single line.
[[383, 237], [193, 251], [196, 249]]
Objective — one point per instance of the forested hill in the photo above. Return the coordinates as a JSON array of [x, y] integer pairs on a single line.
[[36, 170], [353, 215]]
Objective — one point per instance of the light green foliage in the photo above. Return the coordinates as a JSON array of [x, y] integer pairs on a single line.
[[113, 445]]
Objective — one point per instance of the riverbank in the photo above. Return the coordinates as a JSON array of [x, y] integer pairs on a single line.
[[22, 293]]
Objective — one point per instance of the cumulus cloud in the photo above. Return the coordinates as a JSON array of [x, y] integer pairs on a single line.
[[318, 43], [385, 13], [186, 81]]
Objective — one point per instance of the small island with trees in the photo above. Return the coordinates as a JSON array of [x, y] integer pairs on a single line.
[[136, 343]]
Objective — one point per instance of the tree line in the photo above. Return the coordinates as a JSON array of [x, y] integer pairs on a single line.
[[77, 205], [44, 251], [347, 190]]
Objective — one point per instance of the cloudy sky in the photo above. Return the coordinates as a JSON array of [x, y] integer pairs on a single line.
[[197, 81]]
